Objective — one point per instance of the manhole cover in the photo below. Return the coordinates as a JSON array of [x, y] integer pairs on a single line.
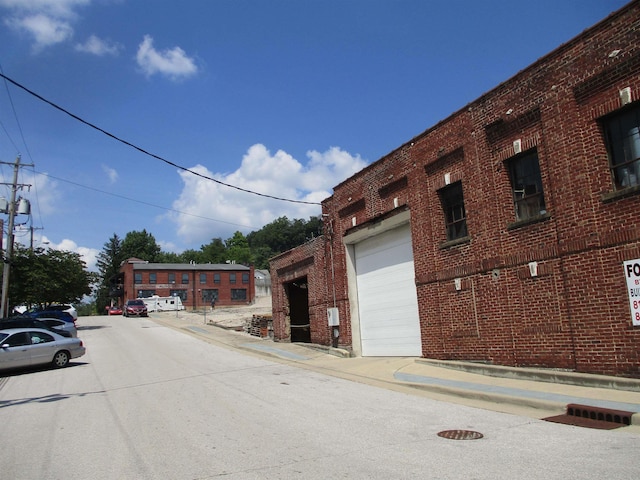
[[460, 434]]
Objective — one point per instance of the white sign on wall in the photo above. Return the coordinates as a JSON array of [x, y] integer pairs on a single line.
[[632, 274]]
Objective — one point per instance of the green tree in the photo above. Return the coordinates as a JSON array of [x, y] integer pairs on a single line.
[[191, 255], [108, 263], [140, 245], [43, 277], [281, 235], [169, 257], [238, 249], [214, 252]]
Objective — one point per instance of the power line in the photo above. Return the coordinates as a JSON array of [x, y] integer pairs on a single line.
[[140, 201], [24, 141], [145, 152]]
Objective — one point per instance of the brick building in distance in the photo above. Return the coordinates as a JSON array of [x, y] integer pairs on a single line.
[[508, 233], [196, 284]]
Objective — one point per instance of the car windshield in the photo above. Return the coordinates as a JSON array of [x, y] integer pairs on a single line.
[[136, 302], [3, 336]]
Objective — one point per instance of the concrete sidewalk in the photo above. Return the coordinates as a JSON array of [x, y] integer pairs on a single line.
[[536, 393]]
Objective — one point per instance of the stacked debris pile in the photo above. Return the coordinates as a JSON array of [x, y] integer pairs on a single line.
[[260, 326]]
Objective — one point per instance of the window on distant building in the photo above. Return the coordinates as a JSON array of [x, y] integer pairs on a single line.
[[622, 132], [245, 278], [179, 293], [209, 294], [172, 278], [454, 213], [232, 278], [137, 278], [146, 293], [526, 184], [216, 278], [238, 294], [185, 278], [153, 278], [203, 278]]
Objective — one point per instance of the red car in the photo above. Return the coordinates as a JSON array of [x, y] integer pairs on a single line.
[[114, 311], [135, 308]]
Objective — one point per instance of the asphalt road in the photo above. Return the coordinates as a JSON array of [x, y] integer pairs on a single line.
[[147, 402]]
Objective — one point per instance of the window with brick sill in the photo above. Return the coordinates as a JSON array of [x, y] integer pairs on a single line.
[[455, 216], [153, 278], [526, 185], [137, 278], [622, 136]]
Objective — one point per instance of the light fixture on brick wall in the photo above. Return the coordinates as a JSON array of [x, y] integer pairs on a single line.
[[517, 146], [533, 269], [625, 96]]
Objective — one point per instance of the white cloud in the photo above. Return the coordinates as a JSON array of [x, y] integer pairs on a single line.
[[45, 30], [111, 173], [89, 255], [99, 47], [57, 8], [173, 63], [48, 21], [279, 175]]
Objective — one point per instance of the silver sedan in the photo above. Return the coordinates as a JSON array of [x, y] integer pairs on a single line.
[[24, 347]]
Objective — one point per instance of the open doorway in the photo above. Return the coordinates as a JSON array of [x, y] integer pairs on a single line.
[[298, 297]]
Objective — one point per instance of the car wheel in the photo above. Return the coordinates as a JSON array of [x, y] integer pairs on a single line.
[[60, 359]]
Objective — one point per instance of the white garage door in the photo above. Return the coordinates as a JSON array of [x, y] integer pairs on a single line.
[[387, 300]]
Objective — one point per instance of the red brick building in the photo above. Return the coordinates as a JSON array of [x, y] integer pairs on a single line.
[[196, 284], [508, 233]]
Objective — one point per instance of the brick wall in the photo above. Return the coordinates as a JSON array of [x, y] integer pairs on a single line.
[[309, 261], [574, 314], [194, 288]]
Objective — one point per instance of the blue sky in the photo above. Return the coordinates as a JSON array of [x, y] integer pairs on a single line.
[[284, 97]]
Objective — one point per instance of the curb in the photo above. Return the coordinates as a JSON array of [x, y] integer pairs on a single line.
[[539, 375]]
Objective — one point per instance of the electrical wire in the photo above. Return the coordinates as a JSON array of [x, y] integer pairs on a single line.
[[145, 152], [142, 202], [24, 141]]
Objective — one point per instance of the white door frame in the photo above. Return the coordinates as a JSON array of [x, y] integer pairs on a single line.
[[352, 286]]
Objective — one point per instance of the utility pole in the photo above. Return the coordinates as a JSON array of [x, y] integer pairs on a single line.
[[4, 306], [31, 242]]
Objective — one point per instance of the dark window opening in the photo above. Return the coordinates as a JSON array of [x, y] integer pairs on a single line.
[[526, 184], [238, 294], [454, 212], [622, 132], [179, 293]]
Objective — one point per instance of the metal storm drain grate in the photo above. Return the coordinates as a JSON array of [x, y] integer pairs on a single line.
[[593, 417], [460, 434]]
